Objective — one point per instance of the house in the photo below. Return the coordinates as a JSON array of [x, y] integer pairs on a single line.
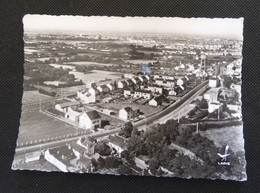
[[103, 89], [86, 97], [87, 144], [118, 143], [94, 91], [214, 82], [212, 95], [111, 86], [72, 114], [169, 83], [159, 81], [90, 120], [34, 156], [127, 92], [142, 94], [78, 150], [147, 76], [155, 88], [121, 84], [156, 101], [85, 163], [130, 82], [212, 106], [181, 81], [136, 80], [60, 157], [63, 107], [107, 100], [127, 113]]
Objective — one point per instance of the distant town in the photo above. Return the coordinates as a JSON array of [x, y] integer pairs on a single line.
[[132, 104]]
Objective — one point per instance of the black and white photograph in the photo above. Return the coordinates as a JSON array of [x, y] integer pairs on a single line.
[[146, 96]]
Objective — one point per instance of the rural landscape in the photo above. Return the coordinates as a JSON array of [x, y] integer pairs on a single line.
[[132, 102]]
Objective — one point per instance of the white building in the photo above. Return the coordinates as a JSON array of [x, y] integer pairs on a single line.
[[214, 82], [212, 95], [214, 106], [63, 107], [118, 143], [111, 86], [103, 89], [86, 97], [90, 120], [127, 113], [142, 94], [94, 91], [156, 101], [127, 92], [121, 84], [61, 157], [72, 114], [155, 89]]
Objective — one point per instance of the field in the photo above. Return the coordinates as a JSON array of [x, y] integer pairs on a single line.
[[30, 96], [232, 136], [140, 61], [95, 76], [85, 63], [36, 126]]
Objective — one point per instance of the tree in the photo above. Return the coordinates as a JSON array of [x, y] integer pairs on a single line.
[[112, 162], [126, 130], [153, 164], [203, 104], [122, 169], [227, 81], [103, 149], [101, 162]]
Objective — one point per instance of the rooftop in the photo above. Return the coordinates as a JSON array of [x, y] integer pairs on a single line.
[[93, 115]]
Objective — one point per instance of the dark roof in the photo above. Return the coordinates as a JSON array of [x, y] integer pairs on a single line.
[[128, 109], [63, 154], [77, 147], [84, 160], [93, 115], [155, 85], [159, 99], [104, 87], [127, 88], [130, 82], [118, 141], [86, 142], [137, 79], [143, 91], [161, 79]]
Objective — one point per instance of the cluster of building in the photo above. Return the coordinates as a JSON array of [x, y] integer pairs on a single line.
[[74, 112], [77, 156]]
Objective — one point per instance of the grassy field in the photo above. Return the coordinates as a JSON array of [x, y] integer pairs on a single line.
[[30, 96], [232, 136], [36, 126]]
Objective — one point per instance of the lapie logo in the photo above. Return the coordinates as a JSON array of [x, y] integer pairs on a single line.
[[224, 157]]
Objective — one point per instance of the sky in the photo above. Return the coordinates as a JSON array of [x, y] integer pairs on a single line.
[[199, 26]]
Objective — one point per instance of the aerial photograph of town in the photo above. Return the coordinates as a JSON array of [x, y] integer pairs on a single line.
[[132, 96]]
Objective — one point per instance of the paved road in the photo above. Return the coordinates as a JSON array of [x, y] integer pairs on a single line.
[[174, 109], [22, 150]]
